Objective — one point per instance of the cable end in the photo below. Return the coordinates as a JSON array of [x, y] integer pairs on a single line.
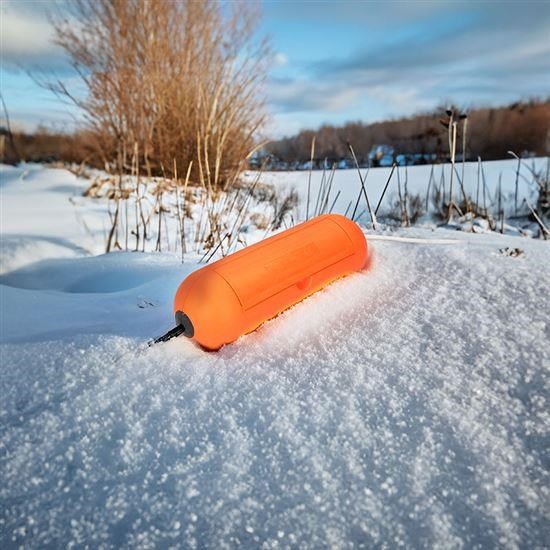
[[176, 331]]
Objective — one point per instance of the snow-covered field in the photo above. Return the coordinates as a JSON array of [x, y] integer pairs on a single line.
[[403, 406], [417, 178]]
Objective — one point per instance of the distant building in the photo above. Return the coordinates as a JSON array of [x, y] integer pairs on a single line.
[[381, 155]]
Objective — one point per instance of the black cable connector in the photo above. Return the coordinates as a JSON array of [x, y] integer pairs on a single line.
[[172, 333], [183, 326]]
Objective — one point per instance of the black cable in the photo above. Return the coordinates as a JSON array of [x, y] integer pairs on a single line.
[[172, 333]]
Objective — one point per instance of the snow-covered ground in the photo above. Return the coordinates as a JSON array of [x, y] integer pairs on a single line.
[[406, 405], [42, 214]]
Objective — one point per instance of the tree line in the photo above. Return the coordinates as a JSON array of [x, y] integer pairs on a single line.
[[523, 127]]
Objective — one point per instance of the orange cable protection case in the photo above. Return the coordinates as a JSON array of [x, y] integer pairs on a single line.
[[233, 296]]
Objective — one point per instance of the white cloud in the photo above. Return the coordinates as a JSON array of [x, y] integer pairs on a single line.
[[27, 36], [312, 95], [280, 59], [490, 55], [404, 100]]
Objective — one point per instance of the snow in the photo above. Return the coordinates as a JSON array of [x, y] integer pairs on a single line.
[[48, 223], [403, 406]]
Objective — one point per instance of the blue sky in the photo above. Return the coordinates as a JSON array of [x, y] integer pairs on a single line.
[[339, 61]]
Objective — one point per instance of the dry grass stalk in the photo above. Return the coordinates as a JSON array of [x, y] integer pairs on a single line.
[[500, 210], [320, 191], [334, 202], [348, 209], [362, 190], [453, 158], [406, 197], [386, 187], [402, 208], [544, 230], [430, 180], [327, 195], [312, 155]]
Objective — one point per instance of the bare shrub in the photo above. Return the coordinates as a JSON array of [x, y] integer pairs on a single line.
[[284, 207], [180, 82], [409, 213], [265, 193], [540, 180], [415, 208]]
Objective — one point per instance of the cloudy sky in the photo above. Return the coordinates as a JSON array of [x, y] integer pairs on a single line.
[[340, 61]]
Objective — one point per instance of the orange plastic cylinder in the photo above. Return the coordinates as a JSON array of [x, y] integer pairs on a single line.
[[233, 296]]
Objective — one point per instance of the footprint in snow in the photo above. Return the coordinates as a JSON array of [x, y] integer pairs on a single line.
[[144, 304], [512, 252]]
